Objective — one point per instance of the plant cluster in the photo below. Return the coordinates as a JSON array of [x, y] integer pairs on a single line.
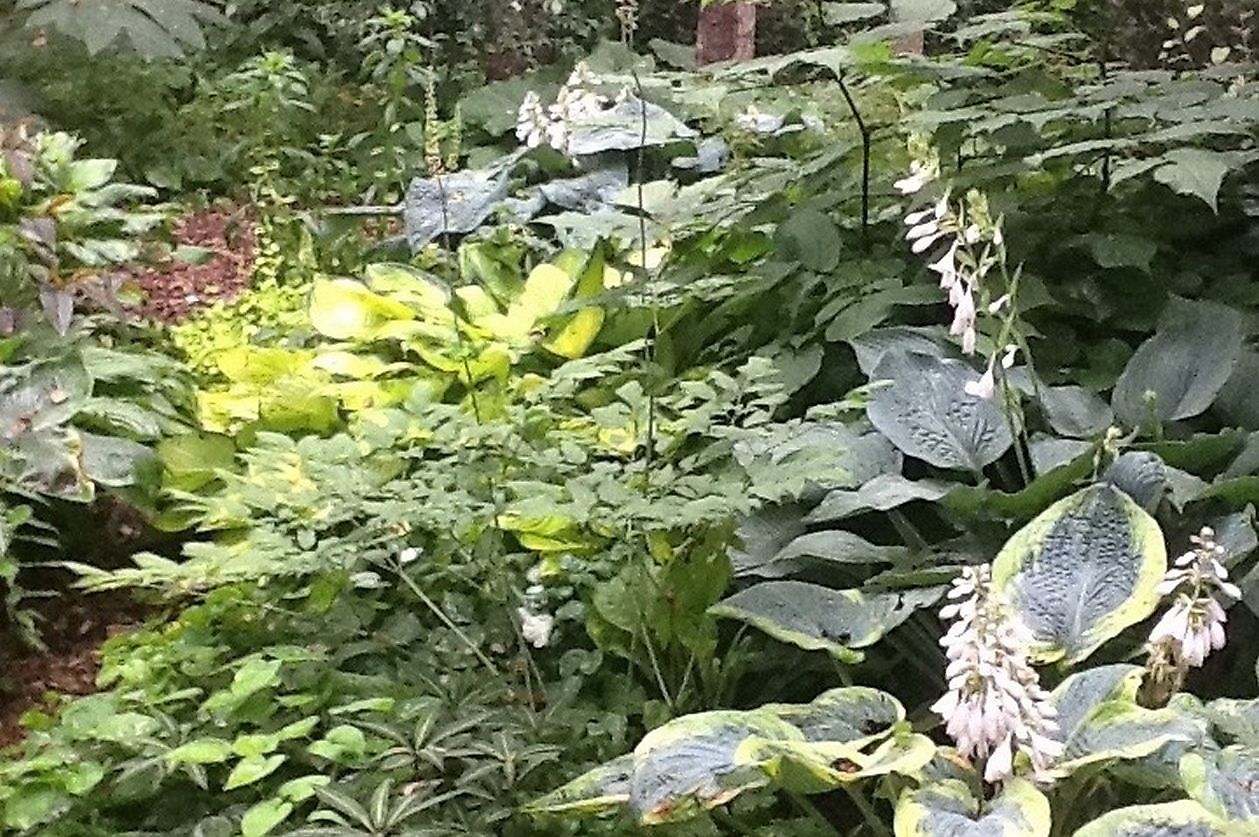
[[792, 448]]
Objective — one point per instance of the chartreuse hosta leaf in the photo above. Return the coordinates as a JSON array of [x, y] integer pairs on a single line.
[[821, 619], [1225, 781], [1185, 818], [701, 761], [1082, 571], [948, 808]]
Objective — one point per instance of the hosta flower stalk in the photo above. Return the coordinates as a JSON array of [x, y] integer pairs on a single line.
[[995, 707], [1194, 625]]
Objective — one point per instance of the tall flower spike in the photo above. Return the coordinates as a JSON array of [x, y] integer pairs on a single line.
[[995, 706]]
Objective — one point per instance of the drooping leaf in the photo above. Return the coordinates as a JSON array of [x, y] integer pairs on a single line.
[[344, 309], [1082, 571], [948, 808], [607, 786], [1170, 819], [854, 715], [1178, 372], [883, 493], [1119, 729], [927, 413], [821, 548], [821, 619]]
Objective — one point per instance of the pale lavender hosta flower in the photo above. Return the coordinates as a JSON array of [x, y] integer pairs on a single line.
[[1194, 625], [995, 706], [986, 386]]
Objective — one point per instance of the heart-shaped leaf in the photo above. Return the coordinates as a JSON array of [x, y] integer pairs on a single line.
[[1081, 572], [927, 413], [1178, 372], [821, 619]]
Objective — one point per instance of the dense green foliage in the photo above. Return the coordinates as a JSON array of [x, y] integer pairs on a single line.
[[622, 483]]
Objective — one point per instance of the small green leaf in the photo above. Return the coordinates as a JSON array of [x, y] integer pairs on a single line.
[[264, 816], [201, 751], [251, 769]]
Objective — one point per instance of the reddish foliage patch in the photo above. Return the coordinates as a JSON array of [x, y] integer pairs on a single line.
[[73, 629], [174, 288]]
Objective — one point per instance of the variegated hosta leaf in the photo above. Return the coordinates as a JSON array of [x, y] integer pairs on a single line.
[[1120, 729], [1081, 693], [1189, 733], [1081, 572], [606, 786], [821, 619], [948, 808], [1173, 819], [1238, 719], [855, 715], [1224, 781], [704, 760]]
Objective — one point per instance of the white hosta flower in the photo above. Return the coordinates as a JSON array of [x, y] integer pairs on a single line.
[[409, 555], [920, 174], [531, 121], [1194, 625], [536, 627], [995, 706], [986, 386]]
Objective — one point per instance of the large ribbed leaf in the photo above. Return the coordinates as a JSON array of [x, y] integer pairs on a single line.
[[821, 619], [927, 413], [153, 28], [1172, 819], [1082, 571], [948, 808], [1178, 372], [854, 715]]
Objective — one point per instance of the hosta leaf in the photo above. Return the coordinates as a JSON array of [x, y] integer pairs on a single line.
[[694, 762], [41, 396], [1141, 475], [927, 413], [821, 548], [1082, 571], [605, 787], [704, 760], [1171, 819], [1238, 719], [854, 715], [1080, 694], [1182, 367], [1120, 729], [1195, 171], [1075, 411], [821, 619], [948, 808], [884, 492], [1224, 781], [344, 309], [878, 343]]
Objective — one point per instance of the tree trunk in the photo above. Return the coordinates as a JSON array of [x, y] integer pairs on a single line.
[[727, 32]]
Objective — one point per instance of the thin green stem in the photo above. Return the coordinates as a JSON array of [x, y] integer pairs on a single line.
[[446, 620], [871, 816]]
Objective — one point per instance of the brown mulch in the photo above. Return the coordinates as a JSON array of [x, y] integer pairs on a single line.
[[74, 627], [173, 288]]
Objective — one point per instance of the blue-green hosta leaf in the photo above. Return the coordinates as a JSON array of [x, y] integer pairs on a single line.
[[821, 619], [927, 413], [817, 549], [1196, 171], [877, 343], [883, 493], [1082, 571], [818, 767], [154, 28], [1172, 819], [1178, 372], [1224, 781], [1141, 475], [948, 808], [1075, 411]]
